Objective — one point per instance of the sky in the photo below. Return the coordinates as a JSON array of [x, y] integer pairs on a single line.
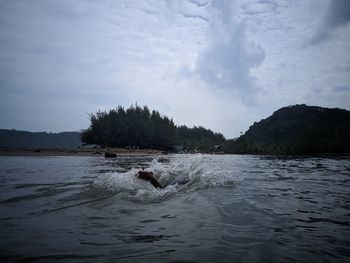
[[220, 64]]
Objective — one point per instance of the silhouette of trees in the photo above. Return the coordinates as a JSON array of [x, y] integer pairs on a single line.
[[139, 127], [199, 138]]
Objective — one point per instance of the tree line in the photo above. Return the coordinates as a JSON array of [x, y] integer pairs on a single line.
[[139, 127], [298, 129]]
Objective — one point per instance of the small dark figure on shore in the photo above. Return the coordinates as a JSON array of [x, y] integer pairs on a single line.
[[110, 155], [148, 176]]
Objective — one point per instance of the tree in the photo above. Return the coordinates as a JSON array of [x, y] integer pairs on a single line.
[[139, 127]]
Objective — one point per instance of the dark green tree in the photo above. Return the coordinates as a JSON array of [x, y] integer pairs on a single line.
[[139, 127]]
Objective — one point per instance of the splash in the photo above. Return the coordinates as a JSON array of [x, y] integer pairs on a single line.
[[178, 174]]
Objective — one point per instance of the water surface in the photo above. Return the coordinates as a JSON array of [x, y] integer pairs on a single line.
[[212, 209]]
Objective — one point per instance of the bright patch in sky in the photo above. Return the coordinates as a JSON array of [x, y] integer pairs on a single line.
[[219, 64]]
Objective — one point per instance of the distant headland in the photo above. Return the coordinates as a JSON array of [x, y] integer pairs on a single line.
[[294, 130]]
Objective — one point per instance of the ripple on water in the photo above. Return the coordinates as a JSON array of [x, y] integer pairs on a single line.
[[213, 208]]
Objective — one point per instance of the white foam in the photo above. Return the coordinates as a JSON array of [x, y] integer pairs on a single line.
[[181, 173]]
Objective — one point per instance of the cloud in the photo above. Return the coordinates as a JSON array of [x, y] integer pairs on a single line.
[[196, 17], [341, 89], [56, 59], [337, 15], [258, 8], [199, 3], [221, 64], [228, 58]]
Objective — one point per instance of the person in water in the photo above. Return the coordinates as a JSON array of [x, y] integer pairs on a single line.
[[148, 176]]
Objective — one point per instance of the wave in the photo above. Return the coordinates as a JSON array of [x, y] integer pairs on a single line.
[[177, 174]]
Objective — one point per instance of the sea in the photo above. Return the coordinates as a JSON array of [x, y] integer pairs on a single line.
[[213, 208]]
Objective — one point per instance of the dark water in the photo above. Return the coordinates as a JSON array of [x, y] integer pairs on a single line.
[[213, 209]]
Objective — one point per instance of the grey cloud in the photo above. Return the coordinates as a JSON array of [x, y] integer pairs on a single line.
[[199, 3], [338, 15], [341, 89], [227, 61], [224, 7], [48, 56], [60, 59], [196, 17], [259, 8], [342, 69]]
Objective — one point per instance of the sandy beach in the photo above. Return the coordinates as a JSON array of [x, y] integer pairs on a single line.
[[78, 152]]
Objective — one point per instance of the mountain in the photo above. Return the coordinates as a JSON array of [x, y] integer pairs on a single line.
[[298, 129], [31, 140]]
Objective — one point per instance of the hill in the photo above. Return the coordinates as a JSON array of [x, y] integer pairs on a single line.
[[298, 129], [32, 140]]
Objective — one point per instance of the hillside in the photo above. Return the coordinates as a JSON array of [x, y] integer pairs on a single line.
[[298, 129], [32, 140]]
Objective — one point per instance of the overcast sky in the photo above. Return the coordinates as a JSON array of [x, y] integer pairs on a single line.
[[219, 64]]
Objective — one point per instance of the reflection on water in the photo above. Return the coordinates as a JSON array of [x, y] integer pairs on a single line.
[[213, 208]]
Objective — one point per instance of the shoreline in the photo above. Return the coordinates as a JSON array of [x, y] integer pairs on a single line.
[[121, 152], [78, 152]]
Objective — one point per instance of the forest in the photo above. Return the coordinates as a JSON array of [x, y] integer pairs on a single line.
[[138, 127], [297, 129]]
